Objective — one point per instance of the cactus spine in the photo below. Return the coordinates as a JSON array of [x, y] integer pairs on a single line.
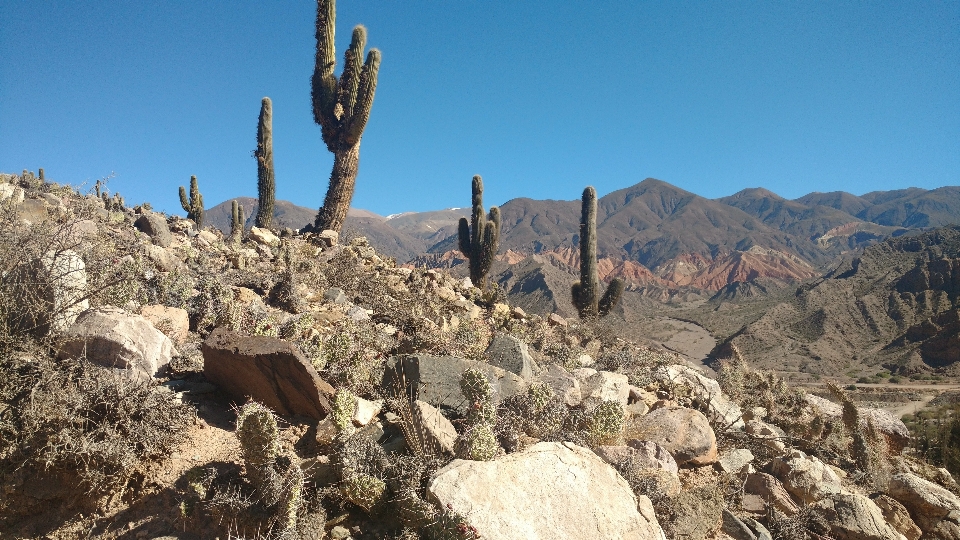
[[266, 180], [480, 238], [586, 291], [194, 205], [341, 108], [236, 222]]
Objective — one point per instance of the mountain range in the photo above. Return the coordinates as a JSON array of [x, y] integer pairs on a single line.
[[658, 236]]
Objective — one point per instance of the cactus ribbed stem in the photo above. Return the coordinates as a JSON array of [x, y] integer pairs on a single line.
[[194, 204], [236, 222], [480, 238], [266, 179], [341, 108], [586, 292]]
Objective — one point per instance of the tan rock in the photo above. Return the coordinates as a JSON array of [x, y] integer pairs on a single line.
[[927, 502], [508, 498], [897, 516], [806, 477], [685, 433], [761, 489], [854, 517], [432, 429], [174, 322], [263, 236]]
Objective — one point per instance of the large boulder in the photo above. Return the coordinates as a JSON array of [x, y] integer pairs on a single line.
[[806, 477], [436, 379], [11, 193], [854, 517], [52, 290], [685, 433], [927, 502], [509, 353], [269, 370], [508, 498], [892, 427], [154, 226], [897, 516], [720, 408], [113, 338]]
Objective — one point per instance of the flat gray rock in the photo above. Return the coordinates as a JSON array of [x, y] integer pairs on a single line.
[[509, 353], [436, 379]]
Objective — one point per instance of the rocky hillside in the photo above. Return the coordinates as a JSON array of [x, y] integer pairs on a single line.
[[892, 308], [160, 381], [655, 235]]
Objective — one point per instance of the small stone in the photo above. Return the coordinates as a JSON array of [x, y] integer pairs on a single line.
[[366, 411], [335, 295], [263, 236], [328, 238], [605, 386], [357, 314], [555, 320], [434, 428], [326, 431], [518, 313], [562, 383], [339, 533], [734, 460], [510, 353]]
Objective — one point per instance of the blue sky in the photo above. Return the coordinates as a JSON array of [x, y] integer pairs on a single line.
[[541, 98]]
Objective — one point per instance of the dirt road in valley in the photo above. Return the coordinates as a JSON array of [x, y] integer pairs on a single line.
[[691, 340], [927, 393]]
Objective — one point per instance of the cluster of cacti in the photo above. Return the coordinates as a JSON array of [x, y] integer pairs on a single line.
[[114, 203], [236, 222], [478, 441], [605, 423], [266, 180], [480, 238], [586, 292], [194, 205], [277, 480], [341, 108]]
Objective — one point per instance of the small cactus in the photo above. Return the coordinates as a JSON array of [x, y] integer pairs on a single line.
[[480, 238], [266, 179], [605, 424], [586, 291], [289, 503], [260, 447], [478, 441], [194, 205], [236, 222], [343, 408], [364, 490]]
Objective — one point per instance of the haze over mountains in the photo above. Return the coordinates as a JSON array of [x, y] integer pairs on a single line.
[[654, 234]]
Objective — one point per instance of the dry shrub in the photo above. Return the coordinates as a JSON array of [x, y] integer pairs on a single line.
[[75, 416], [754, 388]]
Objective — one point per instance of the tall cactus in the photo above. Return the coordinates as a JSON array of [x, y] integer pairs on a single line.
[[586, 291], [194, 205], [480, 238], [266, 180], [236, 222], [341, 108]]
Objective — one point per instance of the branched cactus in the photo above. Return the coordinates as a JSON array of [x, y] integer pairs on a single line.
[[236, 222], [266, 180], [341, 108], [260, 447], [478, 441], [586, 292], [194, 205], [480, 239]]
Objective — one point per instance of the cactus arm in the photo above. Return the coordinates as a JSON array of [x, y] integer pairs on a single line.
[[183, 200], [611, 297], [586, 295], [488, 249], [364, 99], [324, 82], [495, 218], [350, 78], [464, 234]]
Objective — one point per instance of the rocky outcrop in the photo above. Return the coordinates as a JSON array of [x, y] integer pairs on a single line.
[[897, 516], [603, 386], [893, 428], [806, 477], [269, 370], [507, 498], [706, 390], [685, 433], [854, 517], [113, 338], [154, 226], [927, 502]]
